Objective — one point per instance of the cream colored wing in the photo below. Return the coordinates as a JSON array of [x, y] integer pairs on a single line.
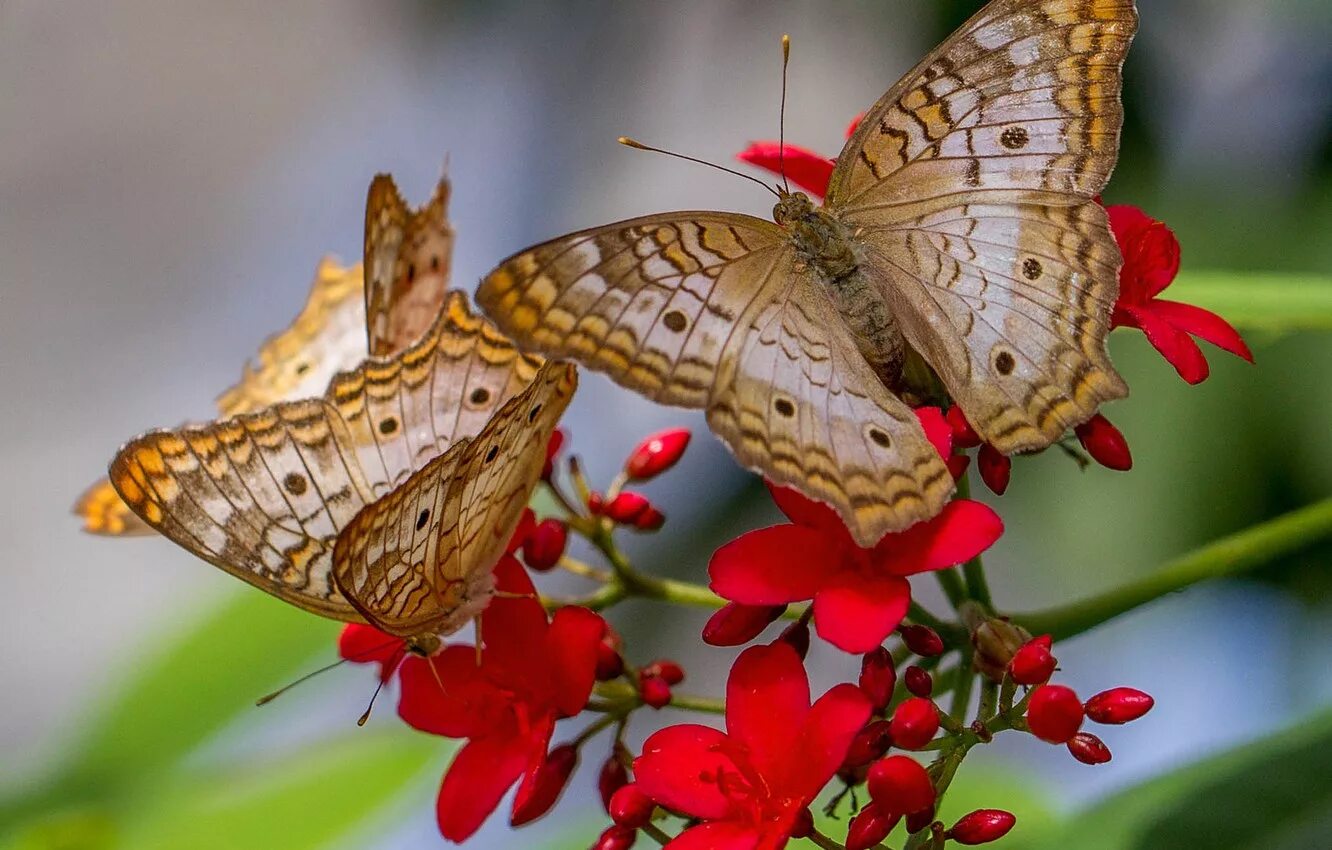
[[707, 310], [970, 186], [420, 560], [407, 258], [264, 495]]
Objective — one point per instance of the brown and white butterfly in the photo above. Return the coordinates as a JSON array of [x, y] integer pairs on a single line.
[[407, 254], [959, 232], [387, 500]]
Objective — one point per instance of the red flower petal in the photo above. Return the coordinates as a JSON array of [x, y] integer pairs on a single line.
[[1151, 254], [937, 429], [511, 627], [805, 168], [362, 644], [767, 698], [855, 122], [825, 739], [1204, 325], [1176, 346], [771, 566], [802, 510], [722, 835], [467, 705], [475, 782], [961, 531], [858, 615], [573, 638], [681, 766], [545, 775]]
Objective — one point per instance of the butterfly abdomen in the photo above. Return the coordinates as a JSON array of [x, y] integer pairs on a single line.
[[872, 324]]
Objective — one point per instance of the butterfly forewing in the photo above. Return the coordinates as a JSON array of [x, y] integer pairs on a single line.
[[420, 559]]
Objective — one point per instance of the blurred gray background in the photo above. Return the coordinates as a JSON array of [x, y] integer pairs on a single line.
[[170, 173]]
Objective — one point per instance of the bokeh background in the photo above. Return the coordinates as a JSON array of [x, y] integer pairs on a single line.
[[170, 173]]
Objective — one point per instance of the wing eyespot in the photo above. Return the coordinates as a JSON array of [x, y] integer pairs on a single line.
[[1005, 363], [388, 425], [675, 321], [784, 407], [1015, 138], [423, 519], [533, 413], [479, 396], [492, 454], [294, 483], [1032, 268], [879, 437]]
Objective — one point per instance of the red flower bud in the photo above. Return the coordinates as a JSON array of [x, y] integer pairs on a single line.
[[616, 838], [797, 634], [964, 436], [670, 671], [610, 664], [918, 681], [1105, 443], [595, 503], [957, 465], [922, 640], [803, 824], [1033, 664], [869, 744], [655, 692], [612, 778], [870, 827], [630, 807], [552, 449], [736, 624], [656, 454], [1088, 749], [545, 789], [914, 723], [878, 678], [1054, 713], [1119, 705], [900, 784], [626, 507], [995, 468], [650, 520], [526, 523], [916, 821], [982, 826], [545, 544]]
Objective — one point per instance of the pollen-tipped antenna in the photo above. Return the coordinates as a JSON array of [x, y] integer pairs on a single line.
[[781, 115], [361, 721], [370, 653], [631, 143]]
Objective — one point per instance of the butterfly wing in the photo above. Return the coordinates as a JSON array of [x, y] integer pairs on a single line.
[[103, 512], [407, 258], [420, 560], [970, 185], [264, 495], [707, 310]]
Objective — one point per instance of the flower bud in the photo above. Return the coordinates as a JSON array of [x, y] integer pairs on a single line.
[[957, 465], [869, 744], [918, 682], [916, 821], [1119, 705], [610, 664], [996, 640], [1054, 713], [546, 785], [995, 468], [878, 678], [1088, 749], [650, 520], [1105, 443], [964, 436], [626, 507], [922, 640], [545, 544], [655, 692], [870, 827], [552, 450], [595, 503], [671, 672], [737, 624], [982, 826], [612, 778], [656, 454], [797, 634], [630, 807], [1033, 664], [901, 784], [803, 824], [616, 838], [526, 524], [914, 723]]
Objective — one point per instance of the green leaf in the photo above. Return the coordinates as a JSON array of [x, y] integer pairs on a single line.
[[301, 801], [190, 687], [1259, 301], [1273, 794]]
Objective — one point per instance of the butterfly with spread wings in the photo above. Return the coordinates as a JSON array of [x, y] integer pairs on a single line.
[[959, 244], [407, 257]]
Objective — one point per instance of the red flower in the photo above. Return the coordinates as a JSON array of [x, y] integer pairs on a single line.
[[805, 168], [532, 672], [860, 595], [1151, 261], [750, 784], [656, 454], [363, 644]]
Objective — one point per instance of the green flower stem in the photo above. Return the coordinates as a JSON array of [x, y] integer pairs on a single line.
[[973, 571], [707, 705], [1241, 552], [651, 830], [952, 586]]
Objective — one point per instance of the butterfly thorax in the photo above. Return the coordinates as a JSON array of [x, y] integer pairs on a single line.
[[424, 645], [819, 238]]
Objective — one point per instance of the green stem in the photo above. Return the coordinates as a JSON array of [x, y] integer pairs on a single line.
[[973, 571], [1246, 550], [952, 586], [707, 705]]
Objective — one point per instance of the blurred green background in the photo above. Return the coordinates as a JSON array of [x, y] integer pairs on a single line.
[[171, 173]]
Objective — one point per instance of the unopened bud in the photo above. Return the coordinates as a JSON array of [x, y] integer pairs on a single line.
[[1033, 664], [656, 454], [1119, 705], [878, 678], [616, 838], [964, 436], [671, 672], [870, 827], [922, 640], [612, 778], [901, 784], [916, 821], [918, 682], [610, 664], [736, 624], [1054, 713], [1105, 443], [914, 723], [655, 692], [996, 641], [546, 786], [650, 520], [1088, 749], [526, 524], [626, 507], [631, 808], [982, 827], [552, 450], [545, 544], [797, 635], [870, 743], [803, 824]]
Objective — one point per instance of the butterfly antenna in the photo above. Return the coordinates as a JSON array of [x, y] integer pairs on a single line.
[[360, 721], [781, 115], [265, 700], [631, 143]]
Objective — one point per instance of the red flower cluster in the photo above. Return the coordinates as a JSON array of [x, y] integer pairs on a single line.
[[750, 785], [860, 595]]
